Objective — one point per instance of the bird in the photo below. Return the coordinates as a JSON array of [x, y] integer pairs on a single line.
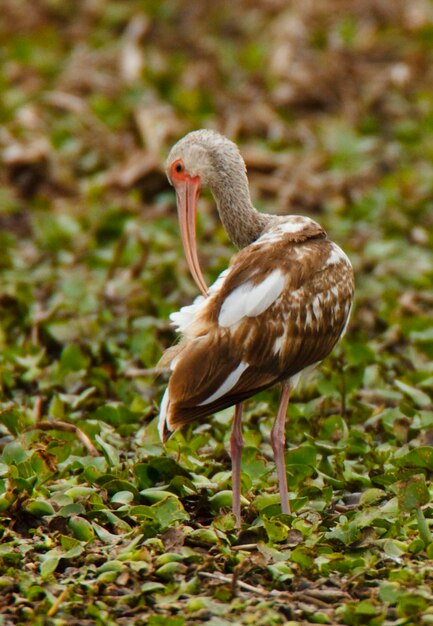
[[276, 311]]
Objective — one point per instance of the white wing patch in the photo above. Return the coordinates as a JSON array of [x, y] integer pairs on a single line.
[[317, 307], [336, 256], [270, 237], [174, 362], [346, 323], [216, 286], [278, 343], [291, 224], [186, 315], [295, 224], [162, 419], [228, 384], [249, 300]]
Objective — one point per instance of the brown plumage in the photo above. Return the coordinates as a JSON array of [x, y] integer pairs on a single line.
[[280, 307]]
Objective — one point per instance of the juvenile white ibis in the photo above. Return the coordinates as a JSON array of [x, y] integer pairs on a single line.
[[279, 308]]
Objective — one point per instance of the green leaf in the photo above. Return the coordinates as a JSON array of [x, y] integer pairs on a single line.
[[6, 499], [169, 557], [170, 570], [14, 453], [110, 453], [204, 537], [168, 512], [302, 557], [117, 486], [223, 500], [411, 493], [366, 608], [123, 497], [420, 398], [281, 571], [71, 509], [389, 593], [372, 496], [161, 469], [418, 457], [302, 455], [394, 549], [156, 495], [276, 530], [72, 359], [252, 465], [12, 419], [424, 529], [82, 529], [411, 604], [49, 563], [105, 535], [39, 508], [151, 587], [265, 500], [116, 415]]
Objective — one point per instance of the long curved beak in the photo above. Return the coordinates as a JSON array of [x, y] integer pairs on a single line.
[[187, 191]]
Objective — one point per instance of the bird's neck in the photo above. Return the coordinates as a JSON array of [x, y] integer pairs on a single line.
[[241, 221]]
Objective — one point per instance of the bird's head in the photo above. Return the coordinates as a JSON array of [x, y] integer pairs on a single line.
[[201, 158], [206, 154]]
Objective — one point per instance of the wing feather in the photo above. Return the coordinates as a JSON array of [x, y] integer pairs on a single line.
[[280, 307]]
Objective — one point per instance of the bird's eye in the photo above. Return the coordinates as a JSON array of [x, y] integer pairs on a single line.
[[178, 167]]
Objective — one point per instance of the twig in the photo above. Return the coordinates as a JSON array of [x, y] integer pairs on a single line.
[[306, 608], [38, 408], [235, 580], [69, 428], [304, 596], [318, 597], [326, 595], [53, 610], [118, 251], [41, 317], [228, 579]]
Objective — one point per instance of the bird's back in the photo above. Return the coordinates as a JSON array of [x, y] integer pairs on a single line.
[[280, 307]]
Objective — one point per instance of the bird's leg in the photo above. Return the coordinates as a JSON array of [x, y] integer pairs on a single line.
[[278, 441], [236, 447]]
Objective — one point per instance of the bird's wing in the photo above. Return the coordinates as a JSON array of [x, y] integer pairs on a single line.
[[280, 307]]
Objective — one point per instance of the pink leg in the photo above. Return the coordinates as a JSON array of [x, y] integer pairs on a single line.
[[236, 447], [278, 441]]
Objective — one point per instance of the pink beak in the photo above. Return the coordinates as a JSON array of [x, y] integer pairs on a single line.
[[187, 191]]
